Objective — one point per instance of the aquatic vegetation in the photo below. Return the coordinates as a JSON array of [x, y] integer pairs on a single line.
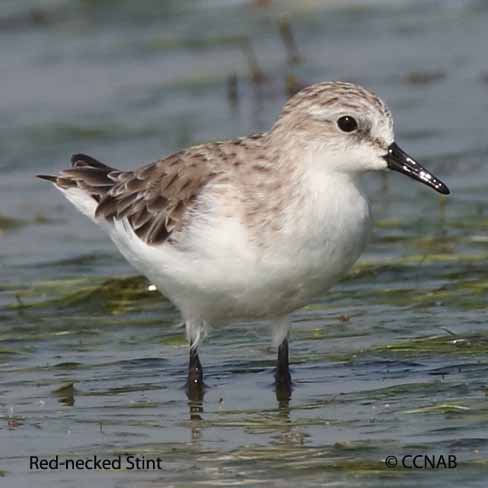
[[8, 224]]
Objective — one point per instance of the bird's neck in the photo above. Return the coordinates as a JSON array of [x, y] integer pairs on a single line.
[[297, 195]]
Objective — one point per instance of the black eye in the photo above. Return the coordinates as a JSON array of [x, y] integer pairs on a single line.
[[347, 123]]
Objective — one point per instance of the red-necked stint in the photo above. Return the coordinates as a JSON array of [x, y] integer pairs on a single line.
[[251, 228]]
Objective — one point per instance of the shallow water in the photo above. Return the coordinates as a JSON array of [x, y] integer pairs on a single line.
[[392, 362]]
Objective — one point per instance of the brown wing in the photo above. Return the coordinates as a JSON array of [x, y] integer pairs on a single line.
[[155, 197]]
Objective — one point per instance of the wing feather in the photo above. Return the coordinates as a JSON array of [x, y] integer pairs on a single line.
[[156, 198]]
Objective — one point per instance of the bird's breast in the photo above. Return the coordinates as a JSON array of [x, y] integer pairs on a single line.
[[325, 234]]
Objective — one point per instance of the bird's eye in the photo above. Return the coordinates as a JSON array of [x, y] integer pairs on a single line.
[[347, 123]]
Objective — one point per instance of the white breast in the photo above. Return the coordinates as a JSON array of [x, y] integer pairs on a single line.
[[324, 234], [331, 231]]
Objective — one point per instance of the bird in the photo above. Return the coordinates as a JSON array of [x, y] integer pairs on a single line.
[[251, 228]]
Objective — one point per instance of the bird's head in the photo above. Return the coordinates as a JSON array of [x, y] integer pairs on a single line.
[[346, 128]]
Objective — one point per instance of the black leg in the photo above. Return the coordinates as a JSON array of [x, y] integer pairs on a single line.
[[282, 375], [195, 386]]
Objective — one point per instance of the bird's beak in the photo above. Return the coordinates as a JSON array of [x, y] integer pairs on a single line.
[[399, 160]]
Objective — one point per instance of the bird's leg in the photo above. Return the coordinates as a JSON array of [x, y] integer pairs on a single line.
[[195, 386], [282, 375]]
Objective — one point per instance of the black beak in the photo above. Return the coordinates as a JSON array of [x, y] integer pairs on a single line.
[[400, 161]]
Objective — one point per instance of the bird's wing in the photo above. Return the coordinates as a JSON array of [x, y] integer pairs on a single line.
[[155, 198]]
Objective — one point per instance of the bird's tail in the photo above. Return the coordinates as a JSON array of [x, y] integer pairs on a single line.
[[85, 183]]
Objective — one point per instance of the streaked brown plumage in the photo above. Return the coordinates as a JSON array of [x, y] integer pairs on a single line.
[[156, 197]]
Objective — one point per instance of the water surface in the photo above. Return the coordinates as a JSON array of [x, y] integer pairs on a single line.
[[392, 362]]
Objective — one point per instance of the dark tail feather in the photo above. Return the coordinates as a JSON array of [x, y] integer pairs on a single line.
[[52, 179], [82, 160], [88, 174]]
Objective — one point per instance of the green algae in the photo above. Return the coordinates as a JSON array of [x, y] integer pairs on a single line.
[[115, 295]]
